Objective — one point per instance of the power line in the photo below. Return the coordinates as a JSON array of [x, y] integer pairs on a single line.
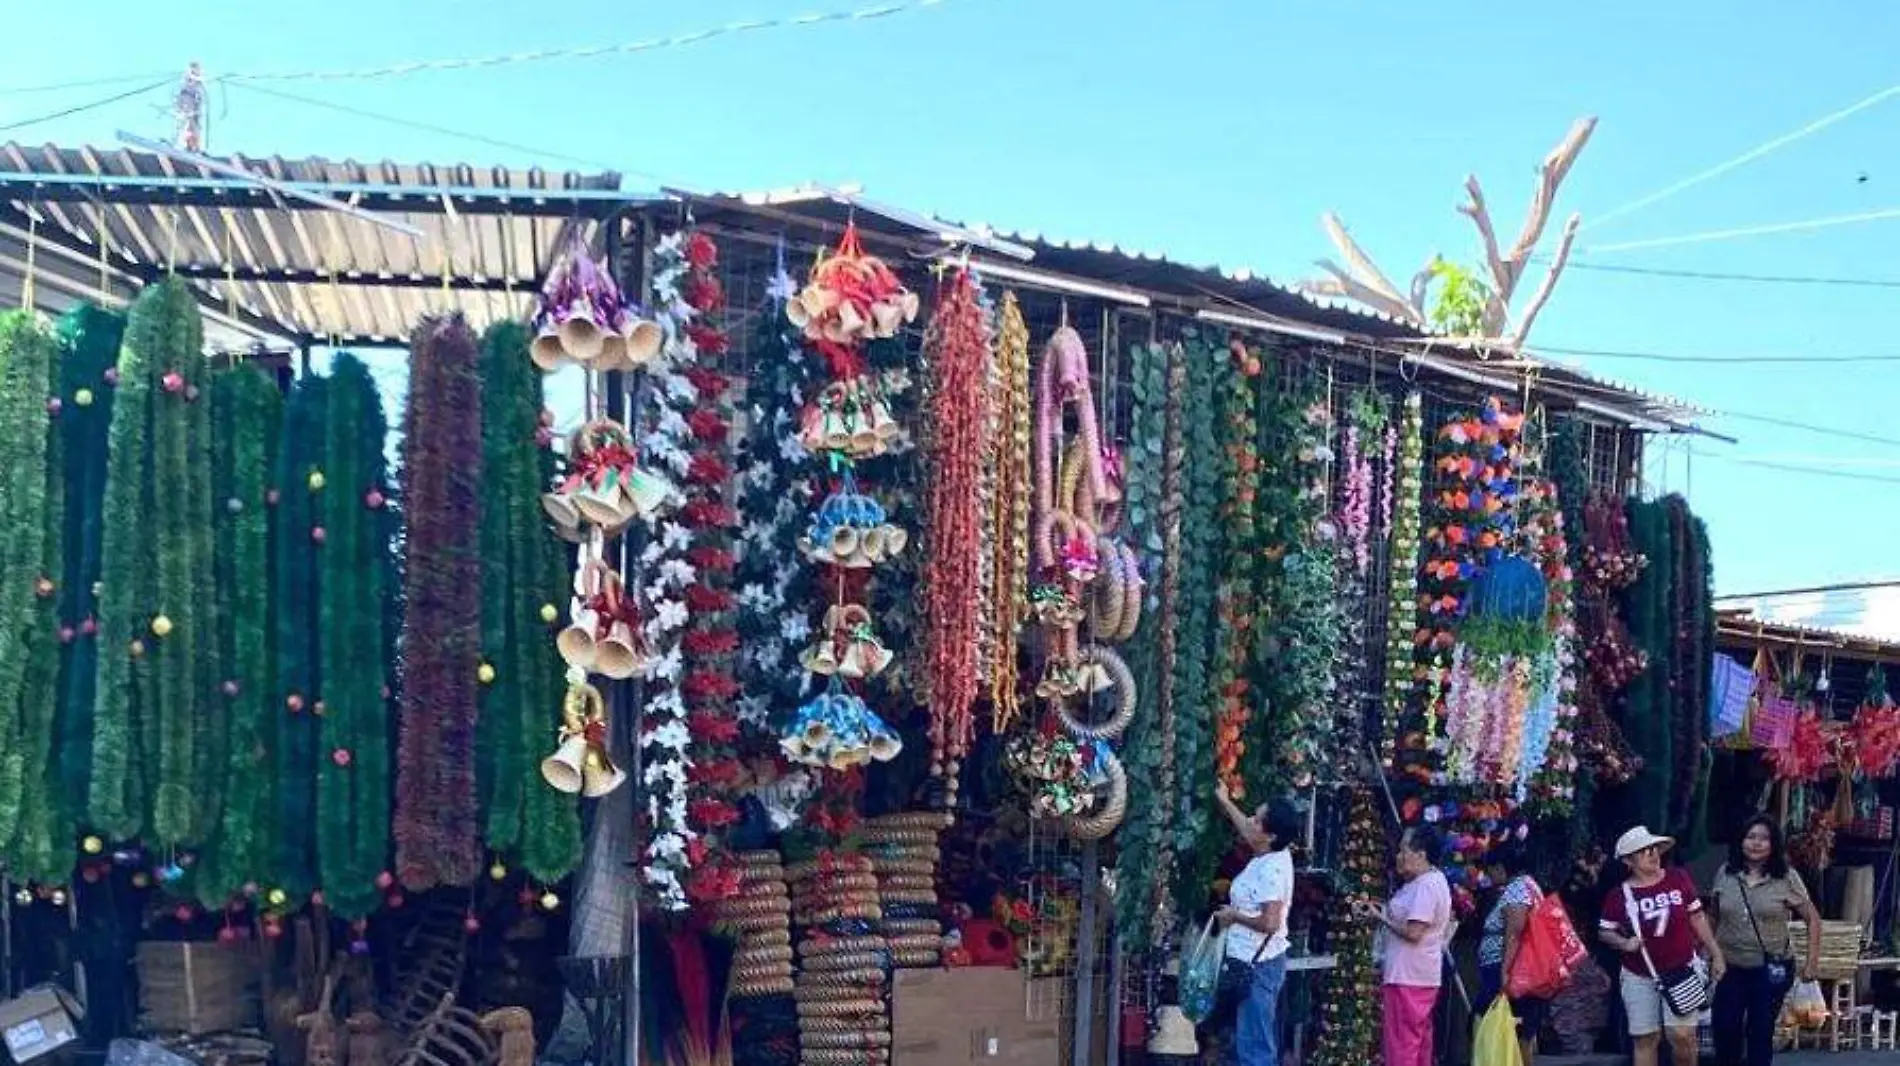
[[1665, 357], [1717, 275], [397, 70], [1825, 431], [85, 83], [1736, 233], [81, 108], [1766, 147], [1810, 471]]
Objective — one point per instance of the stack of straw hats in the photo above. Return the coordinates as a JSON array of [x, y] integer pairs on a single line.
[[760, 915], [842, 988], [904, 851]]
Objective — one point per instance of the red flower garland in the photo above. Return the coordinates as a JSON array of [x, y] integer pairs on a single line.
[[957, 344], [708, 686]]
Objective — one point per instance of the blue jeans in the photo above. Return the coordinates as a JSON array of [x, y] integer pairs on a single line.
[[1257, 1031]]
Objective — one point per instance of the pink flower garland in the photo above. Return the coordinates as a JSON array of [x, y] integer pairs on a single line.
[[1355, 505]]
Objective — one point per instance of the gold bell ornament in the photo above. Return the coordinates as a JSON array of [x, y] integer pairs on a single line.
[[581, 763]]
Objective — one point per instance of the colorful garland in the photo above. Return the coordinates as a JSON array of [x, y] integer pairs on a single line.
[[32, 508], [246, 411], [1363, 439], [1009, 518], [523, 572], [711, 641], [1551, 728], [1405, 480], [357, 640], [297, 588], [437, 824], [1235, 606], [1349, 1015], [155, 573], [956, 350]]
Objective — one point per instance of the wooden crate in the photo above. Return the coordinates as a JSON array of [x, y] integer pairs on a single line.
[[198, 987]]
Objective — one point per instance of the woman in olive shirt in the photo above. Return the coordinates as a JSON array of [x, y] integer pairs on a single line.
[[1754, 896]]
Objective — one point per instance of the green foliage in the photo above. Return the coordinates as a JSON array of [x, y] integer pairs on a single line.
[[296, 686], [356, 562], [1457, 305], [247, 411], [1197, 847], [1646, 719]]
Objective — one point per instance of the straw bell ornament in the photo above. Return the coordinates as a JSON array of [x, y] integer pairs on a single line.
[[581, 763]]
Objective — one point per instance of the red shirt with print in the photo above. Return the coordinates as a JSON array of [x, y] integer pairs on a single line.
[[1663, 910]]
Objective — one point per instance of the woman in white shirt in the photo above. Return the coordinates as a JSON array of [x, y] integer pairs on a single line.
[[1255, 924]]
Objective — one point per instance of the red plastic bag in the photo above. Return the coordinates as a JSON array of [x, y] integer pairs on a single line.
[[1549, 954]]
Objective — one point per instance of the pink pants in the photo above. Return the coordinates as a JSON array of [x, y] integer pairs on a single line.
[[1407, 1025]]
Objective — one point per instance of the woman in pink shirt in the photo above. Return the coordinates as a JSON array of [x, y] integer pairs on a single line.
[[1415, 926]]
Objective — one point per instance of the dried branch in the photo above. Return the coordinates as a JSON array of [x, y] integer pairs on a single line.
[[1550, 175], [1544, 289], [1364, 271], [1422, 282], [1343, 284]]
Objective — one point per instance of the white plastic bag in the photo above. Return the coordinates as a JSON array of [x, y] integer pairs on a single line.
[[1806, 1007]]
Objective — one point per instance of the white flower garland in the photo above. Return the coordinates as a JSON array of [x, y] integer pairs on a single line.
[[666, 574]]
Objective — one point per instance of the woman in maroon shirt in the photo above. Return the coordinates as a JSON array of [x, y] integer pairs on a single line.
[[1655, 919]]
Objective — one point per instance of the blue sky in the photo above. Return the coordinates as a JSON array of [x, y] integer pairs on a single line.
[[1214, 131]]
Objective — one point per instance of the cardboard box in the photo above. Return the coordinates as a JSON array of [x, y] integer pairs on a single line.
[[968, 1016], [41, 1021]]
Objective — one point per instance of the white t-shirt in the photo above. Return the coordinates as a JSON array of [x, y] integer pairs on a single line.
[[1267, 879]]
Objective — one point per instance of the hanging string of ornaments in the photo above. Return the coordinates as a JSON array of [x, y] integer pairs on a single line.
[[1009, 515]]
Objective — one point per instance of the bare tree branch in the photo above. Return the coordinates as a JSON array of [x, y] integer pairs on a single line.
[[1422, 283], [1550, 175], [1364, 270], [1544, 289], [1343, 284]]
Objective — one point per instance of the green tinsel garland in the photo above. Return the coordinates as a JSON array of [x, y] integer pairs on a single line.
[[89, 340], [156, 575], [29, 559], [1646, 716], [1196, 846], [296, 586], [355, 559], [247, 409], [523, 570], [1139, 842]]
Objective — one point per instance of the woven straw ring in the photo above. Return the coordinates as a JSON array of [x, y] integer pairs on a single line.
[[1111, 590], [910, 820], [1105, 821], [849, 945], [842, 1008], [841, 963], [1122, 684], [1131, 605]]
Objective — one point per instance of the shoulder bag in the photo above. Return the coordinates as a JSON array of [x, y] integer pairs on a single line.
[[1686, 988], [1778, 968]]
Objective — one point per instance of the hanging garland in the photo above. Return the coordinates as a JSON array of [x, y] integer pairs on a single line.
[[1197, 849], [90, 339], [437, 826], [1647, 708], [1363, 437], [775, 494], [1009, 515], [711, 642], [1235, 608], [297, 586], [156, 582], [667, 574], [1140, 873], [246, 411], [1691, 650], [355, 559], [956, 349], [32, 507], [523, 568], [1349, 1015], [1405, 476], [1549, 761]]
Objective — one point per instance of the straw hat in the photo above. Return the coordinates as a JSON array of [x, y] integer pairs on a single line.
[[1641, 839], [1174, 1034]]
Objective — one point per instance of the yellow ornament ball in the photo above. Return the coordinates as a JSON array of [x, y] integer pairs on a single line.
[[550, 613], [486, 675], [315, 481], [83, 397], [549, 900], [161, 627], [498, 872], [92, 845], [277, 897]]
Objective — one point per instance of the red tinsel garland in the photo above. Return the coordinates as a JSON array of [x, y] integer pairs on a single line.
[[708, 686], [957, 345]]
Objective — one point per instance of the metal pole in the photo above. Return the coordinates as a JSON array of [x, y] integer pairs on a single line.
[[1085, 957]]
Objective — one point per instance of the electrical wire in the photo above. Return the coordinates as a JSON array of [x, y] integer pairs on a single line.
[[1767, 229], [1772, 145], [1825, 431], [398, 70], [1717, 275], [1753, 360], [1844, 475], [85, 83], [77, 109]]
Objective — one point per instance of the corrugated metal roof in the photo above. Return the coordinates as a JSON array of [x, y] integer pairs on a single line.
[[292, 271]]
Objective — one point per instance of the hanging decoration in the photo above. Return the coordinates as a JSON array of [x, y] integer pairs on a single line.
[[246, 412], [1349, 1017], [356, 642], [956, 349], [1363, 436], [296, 585], [711, 642], [606, 488], [156, 578], [1191, 555], [582, 317], [32, 510], [1548, 762], [523, 570], [1235, 605], [1008, 518], [1405, 479], [437, 826]]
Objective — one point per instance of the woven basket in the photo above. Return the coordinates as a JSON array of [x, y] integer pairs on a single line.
[[847, 945], [777, 986], [867, 960], [761, 955], [862, 1007]]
